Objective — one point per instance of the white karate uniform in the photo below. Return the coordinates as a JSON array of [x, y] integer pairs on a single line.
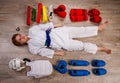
[[39, 68], [61, 38]]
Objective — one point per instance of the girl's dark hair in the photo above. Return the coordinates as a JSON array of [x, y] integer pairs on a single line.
[[15, 42]]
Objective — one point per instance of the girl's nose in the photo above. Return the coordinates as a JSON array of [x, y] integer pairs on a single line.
[[22, 37]]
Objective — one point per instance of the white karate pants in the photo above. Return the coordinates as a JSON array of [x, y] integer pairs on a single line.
[[80, 32]]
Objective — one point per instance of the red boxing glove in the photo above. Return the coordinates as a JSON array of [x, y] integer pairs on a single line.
[[60, 8], [94, 12], [39, 12], [62, 14], [28, 15], [60, 11], [96, 19]]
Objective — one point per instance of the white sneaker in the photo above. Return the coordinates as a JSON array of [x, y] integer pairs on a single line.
[[50, 13]]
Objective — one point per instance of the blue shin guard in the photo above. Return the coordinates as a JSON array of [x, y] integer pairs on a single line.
[[79, 63], [79, 72], [61, 67], [98, 63], [99, 71]]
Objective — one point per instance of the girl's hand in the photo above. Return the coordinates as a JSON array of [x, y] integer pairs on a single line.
[[61, 53]]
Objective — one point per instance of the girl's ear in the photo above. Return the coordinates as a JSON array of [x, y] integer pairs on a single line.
[[26, 59]]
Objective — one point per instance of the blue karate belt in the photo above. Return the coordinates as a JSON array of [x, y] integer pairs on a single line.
[[48, 39]]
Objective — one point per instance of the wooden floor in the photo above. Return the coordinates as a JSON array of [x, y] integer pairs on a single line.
[[13, 14]]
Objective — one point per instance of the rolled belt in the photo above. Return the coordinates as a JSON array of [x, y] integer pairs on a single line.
[[48, 39]]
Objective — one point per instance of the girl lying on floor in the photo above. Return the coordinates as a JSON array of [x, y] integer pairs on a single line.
[[49, 40]]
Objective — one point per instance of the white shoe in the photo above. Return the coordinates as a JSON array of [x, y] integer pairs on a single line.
[[50, 14]]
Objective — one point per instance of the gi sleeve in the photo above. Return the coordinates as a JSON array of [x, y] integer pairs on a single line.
[[46, 26], [43, 52]]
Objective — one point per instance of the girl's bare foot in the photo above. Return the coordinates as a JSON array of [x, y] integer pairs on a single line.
[[108, 51], [102, 26]]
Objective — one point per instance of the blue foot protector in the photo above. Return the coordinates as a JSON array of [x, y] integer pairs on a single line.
[[62, 63], [79, 63], [99, 71], [61, 70], [79, 72], [61, 67], [98, 63]]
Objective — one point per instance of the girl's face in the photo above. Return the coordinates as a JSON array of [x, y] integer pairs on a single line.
[[22, 39]]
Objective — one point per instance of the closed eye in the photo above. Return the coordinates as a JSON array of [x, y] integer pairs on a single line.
[[19, 37]]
